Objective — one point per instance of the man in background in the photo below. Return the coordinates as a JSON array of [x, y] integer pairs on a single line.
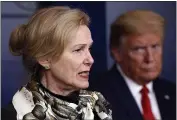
[[133, 86]]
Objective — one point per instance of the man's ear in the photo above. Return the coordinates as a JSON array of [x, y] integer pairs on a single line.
[[116, 53], [44, 62]]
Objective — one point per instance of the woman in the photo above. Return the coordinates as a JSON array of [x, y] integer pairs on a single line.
[[55, 46]]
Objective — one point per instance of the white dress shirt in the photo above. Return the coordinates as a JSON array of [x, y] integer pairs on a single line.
[[135, 91]]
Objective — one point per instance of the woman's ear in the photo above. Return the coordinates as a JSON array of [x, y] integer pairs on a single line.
[[44, 62]]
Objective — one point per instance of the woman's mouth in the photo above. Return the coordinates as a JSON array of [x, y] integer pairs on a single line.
[[84, 74]]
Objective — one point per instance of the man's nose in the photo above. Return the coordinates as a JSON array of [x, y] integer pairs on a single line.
[[149, 55]]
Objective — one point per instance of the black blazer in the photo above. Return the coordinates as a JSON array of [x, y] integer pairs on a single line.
[[112, 85], [8, 113]]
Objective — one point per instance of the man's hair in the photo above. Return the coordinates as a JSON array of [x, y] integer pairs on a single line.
[[136, 22]]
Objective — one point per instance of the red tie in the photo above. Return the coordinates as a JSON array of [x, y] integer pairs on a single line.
[[145, 102]]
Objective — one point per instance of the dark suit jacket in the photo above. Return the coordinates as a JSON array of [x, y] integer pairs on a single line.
[[8, 113], [115, 90]]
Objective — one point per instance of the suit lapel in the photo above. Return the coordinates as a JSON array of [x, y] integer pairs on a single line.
[[123, 91]]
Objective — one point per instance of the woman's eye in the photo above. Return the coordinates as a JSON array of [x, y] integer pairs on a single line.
[[90, 49], [78, 50]]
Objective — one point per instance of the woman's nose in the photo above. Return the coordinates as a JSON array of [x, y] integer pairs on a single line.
[[89, 59]]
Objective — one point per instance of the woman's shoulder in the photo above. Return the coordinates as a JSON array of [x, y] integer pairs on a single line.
[[8, 112]]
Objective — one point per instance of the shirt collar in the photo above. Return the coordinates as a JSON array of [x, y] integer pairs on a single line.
[[133, 86]]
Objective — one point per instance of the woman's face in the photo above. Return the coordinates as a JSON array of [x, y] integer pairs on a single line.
[[73, 67]]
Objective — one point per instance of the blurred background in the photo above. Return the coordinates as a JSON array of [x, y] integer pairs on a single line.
[[102, 14]]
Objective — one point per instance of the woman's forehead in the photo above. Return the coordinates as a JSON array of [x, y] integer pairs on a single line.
[[81, 36]]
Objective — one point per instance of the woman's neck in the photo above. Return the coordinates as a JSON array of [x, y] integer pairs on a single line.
[[56, 86]]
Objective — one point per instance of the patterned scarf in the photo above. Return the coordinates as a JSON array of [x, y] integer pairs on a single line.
[[33, 101]]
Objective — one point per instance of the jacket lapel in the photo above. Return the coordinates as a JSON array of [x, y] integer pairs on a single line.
[[123, 91]]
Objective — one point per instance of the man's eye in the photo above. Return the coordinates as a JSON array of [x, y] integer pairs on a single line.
[[155, 46], [138, 48]]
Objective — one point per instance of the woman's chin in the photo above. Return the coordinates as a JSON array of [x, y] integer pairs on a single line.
[[84, 85]]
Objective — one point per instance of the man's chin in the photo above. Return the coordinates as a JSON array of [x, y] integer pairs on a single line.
[[150, 78]]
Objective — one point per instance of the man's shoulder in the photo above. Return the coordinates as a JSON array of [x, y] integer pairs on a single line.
[[110, 74], [165, 85], [108, 79], [104, 78]]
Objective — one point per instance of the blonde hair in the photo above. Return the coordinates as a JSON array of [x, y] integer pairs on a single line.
[[136, 22], [46, 34]]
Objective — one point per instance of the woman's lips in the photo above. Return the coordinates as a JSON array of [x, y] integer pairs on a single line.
[[84, 74]]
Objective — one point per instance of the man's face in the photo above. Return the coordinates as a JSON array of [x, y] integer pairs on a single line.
[[140, 57]]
